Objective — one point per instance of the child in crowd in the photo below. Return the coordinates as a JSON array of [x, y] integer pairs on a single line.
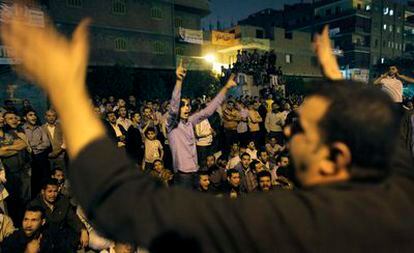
[[153, 148]]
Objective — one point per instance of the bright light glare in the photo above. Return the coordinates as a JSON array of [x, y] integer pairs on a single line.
[[210, 58]]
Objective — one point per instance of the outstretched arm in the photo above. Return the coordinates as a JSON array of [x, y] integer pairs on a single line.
[[176, 95], [323, 50], [406, 78], [58, 66], [214, 104]]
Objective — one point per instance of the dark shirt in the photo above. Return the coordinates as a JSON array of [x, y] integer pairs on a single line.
[[343, 217], [134, 145], [62, 217], [17, 242]]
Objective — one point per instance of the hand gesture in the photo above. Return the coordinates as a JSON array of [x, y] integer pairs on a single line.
[[34, 245], [181, 71], [231, 82], [47, 58], [84, 239], [323, 50]]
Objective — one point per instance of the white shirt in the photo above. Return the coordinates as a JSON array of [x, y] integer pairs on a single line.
[[204, 129], [51, 129], [126, 123], [393, 87], [233, 162]]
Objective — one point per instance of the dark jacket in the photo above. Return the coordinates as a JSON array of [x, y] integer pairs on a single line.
[[17, 242], [345, 217], [134, 144], [62, 217]]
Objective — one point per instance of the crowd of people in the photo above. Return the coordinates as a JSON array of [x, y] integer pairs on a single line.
[[343, 141], [261, 66], [241, 149]]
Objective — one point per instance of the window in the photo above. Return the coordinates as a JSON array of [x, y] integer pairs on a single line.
[[384, 43], [385, 26], [382, 60], [156, 13], [374, 60], [259, 34], [386, 11], [398, 29], [120, 44], [119, 7], [359, 6], [376, 43], [179, 51], [389, 43], [390, 28], [368, 7], [391, 12], [158, 47], [179, 22], [74, 3], [288, 58], [338, 9], [328, 12]]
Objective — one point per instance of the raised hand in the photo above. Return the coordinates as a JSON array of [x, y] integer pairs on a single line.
[[181, 71], [231, 82], [323, 50], [47, 58]]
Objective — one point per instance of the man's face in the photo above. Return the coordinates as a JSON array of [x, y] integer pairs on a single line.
[[50, 193], [392, 71], [136, 118], [234, 179], [147, 113], [31, 118], [32, 222], [307, 149], [109, 107], [123, 112], [230, 105], [59, 176], [273, 141], [121, 102], [158, 166], [51, 117], [284, 161], [112, 118], [265, 183], [111, 99], [12, 120], [185, 109], [210, 161], [264, 157], [251, 145], [245, 161], [204, 182], [132, 100]]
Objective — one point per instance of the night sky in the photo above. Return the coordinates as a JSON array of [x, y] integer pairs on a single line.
[[234, 10]]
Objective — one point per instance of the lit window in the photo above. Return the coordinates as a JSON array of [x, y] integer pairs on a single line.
[[398, 29], [391, 12], [385, 26], [390, 28], [386, 11], [288, 58], [368, 7], [382, 60]]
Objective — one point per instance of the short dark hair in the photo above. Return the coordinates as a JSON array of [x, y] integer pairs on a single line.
[[244, 154], [49, 181], [263, 173], [203, 173], [365, 119], [36, 208], [230, 172], [57, 168], [110, 112], [158, 160], [149, 129], [252, 165]]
